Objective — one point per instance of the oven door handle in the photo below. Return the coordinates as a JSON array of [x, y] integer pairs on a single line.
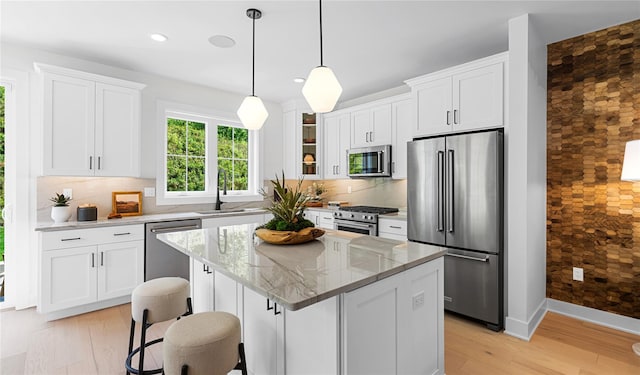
[[353, 224]]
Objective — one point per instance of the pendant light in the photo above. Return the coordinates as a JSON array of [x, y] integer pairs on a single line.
[[252, 112], [322, 89]]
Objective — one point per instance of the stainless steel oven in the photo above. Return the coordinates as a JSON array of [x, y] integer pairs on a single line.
[[359, 219], [370, 229]]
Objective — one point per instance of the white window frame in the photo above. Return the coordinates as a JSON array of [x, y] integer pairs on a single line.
[[211, 118]]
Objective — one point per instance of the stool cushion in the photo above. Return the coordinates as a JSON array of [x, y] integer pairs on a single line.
[[206, 342], [165, 298]]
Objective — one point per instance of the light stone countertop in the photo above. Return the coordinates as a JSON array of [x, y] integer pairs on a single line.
[[143, 219], [297, 276], [402, 216]]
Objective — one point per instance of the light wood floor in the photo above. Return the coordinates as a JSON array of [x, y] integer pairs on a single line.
[[96, 343]]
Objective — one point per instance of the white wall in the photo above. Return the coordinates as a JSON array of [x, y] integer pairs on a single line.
[[526, 179], [20, 59]]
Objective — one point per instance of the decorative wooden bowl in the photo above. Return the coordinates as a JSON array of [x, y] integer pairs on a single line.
[[313, 204], [278, 237]]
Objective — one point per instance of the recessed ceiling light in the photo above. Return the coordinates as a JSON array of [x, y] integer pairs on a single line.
[[159, 37], [298, 80], [222, 41]]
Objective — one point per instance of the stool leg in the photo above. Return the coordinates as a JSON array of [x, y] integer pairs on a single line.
[[131, 334], [243, 361], [183, 371], [189, 306], [143, 335]]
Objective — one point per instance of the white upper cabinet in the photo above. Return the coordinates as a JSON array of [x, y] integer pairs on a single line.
[[302, 135], [371, 126], [402, 121], [336, 145], [91, 124], [289, 146], [463, 98]]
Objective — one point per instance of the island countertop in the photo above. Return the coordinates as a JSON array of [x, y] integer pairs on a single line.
[[297, 276]]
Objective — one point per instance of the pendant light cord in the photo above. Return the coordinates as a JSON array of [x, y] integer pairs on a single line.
[[321, 60], [253, 58]]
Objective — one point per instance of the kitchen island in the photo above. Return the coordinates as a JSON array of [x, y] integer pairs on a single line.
[[342, 304]]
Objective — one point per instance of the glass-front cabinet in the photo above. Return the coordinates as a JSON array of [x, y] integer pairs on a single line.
[[309, 145], [302, 143]]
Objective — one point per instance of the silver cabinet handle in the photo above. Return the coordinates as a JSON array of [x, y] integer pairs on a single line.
[[450, 206], [485, 259], [395, 227], [366, 137], [102, 258], [440, 191], [70, 239], [90, 162], [99, 162], [393, 167], [448, 117], [455, 116], [122, 234], [371, 136], [93, 260]]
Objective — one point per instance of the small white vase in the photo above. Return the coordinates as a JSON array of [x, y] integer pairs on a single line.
[[60, 214]]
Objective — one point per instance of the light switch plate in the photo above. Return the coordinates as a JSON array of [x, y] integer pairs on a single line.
[[578, 274], [149, 192]]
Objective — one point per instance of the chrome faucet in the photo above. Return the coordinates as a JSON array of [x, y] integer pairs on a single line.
[[218, 202]]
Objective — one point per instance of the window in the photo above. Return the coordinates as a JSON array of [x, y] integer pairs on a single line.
[[197, 145]]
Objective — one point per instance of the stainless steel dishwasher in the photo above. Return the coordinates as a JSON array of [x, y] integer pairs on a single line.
[[160, 259]]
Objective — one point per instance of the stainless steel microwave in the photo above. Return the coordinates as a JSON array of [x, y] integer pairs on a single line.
[[370, 161]]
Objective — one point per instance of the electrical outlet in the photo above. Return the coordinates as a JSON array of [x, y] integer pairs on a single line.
[[578, 274], [149, 192], [67, 192], [418, 300], [349, 189]]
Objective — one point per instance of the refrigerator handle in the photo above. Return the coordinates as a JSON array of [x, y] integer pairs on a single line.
[[450, 190], [440, 191]]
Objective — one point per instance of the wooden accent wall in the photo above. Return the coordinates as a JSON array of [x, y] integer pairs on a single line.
[[593, 218]]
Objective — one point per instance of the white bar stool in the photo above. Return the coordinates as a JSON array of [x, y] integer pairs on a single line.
[[206, 343], [155, 301]]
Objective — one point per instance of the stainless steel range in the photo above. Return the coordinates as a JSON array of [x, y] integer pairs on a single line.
[[359, 219]]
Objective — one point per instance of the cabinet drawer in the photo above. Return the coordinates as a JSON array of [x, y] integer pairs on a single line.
[[94, 236], [398, 227]]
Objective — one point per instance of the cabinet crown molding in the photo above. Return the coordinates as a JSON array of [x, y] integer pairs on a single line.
[[489, 60], [46, 68]]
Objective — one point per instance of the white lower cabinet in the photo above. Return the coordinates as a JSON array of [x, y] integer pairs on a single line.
[[202, 286], [312, 338], [392, 229], [320, 218], [263, 329], [80, 268], [395, 325], [227, 295]]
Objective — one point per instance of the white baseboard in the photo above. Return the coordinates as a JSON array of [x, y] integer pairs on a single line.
[[588, 314], [55, 315], [525, 330]]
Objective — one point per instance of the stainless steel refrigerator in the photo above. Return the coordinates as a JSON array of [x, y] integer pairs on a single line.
[[455, 199]]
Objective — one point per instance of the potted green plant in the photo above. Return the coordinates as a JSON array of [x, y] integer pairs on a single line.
[[60, 212], [288, 225]]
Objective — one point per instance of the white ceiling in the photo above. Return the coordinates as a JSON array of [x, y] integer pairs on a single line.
[[370, 45]]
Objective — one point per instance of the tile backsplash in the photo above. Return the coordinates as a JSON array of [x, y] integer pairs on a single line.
[[97, 190]]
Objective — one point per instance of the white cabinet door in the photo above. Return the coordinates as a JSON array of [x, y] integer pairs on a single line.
[[392, 229], [434, 102], [312, 339], [202, 286], [313, 216], [380, 125], [226, 294], [117, 142], [360, 128], [263, 335], [291, 151], [325, 220], [68, 278], [371, 126], [69, 116], [478, 98], [371, 351], [120, 268], [402, 118], [336, 144]]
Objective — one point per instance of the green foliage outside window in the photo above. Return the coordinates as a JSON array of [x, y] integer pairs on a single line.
[[233, 156], [186, 155]]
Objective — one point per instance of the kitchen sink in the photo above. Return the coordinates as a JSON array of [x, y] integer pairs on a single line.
[[228, 211]]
